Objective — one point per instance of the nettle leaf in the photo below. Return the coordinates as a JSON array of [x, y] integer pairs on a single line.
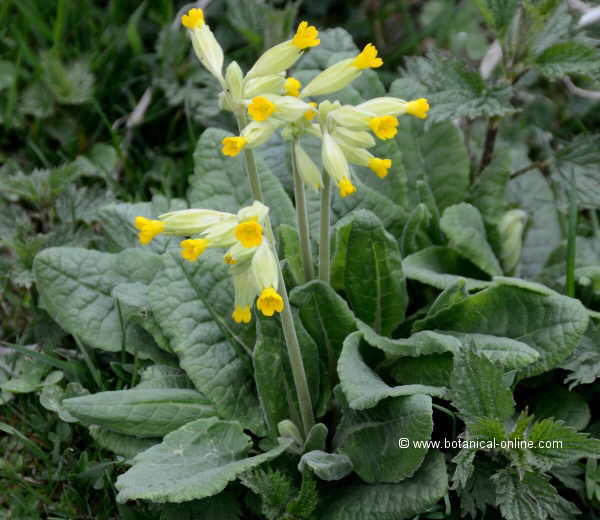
[[558, 403], [437, 156], [362, 386], [124, 445], [326, 466], [221, 183], [272, 372], [543, 235], [71, 84], [360, 433], [465, 230], [76, 289], [584, 363], [478, 389], [141, 412], [327, 318], [581, 158], [550, 323], [452, 88], [117, 222], [385, 501], [192, 302], [530, 497], [196, 461], [563, 445], [442, 267], [498, 13], [373, 275], [567, 57]]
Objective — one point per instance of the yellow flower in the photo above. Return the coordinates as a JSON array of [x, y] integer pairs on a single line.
[[346, 187], [242, 314], [260, 108], [384, 127], [269, 302], [306, 36], [192, 248], [418, 108], [292, 87], [309, 115], [380, 166], [249, 233], [148, 229], [233, 145], [193, 19], [368, 58], [228, 259]]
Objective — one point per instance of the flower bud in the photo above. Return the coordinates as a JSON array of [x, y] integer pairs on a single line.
[[354, 155], [188, 222], [264, 267], [234, 79], [245, 292], [308, 170], [351, 117], [511, 229], [271, 84], [257, 133], [332, 79], [353, 138], [208, 50], [384, 106], [334, 161]]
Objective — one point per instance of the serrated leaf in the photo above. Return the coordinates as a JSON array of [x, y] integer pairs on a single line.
[[221, 183], [195, 461], [442, 267], [373, 276], [478, 389], [71, 84], [326, 466], [498, 13], [531, 497], [584, 363], [550, 323], [362, 433], [141, 412], [463, 225], [567, 57], [385, 501], [76, 289], [192, 302], [362, 386]]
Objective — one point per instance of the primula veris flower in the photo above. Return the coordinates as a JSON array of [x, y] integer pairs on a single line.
[[282, 56], [269, 302], [310, 114], [192, 248], [368, 59], [249, 233], [206, 46], [188, 222], [380, 166], [332, 79], [242, 314], [292, 87], [288, 108], [306, 36], [359, 139], [193, 19], [256, 133], [271, 84], [384, 127], [418, 108], [148, 229], [346, 187], [351, 117], [233, 145], [260, 108], [245, 291]]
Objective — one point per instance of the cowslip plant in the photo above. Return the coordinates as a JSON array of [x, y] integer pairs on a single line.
[[321, 402]]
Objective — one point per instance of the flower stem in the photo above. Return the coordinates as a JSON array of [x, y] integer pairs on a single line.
[[287, 319], [324, 254], [302, 220]]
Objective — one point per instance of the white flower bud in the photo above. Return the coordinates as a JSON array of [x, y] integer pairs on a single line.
[[353, 138], [334, 161], [271, 84], [192, 221], [208, 50], [332, 79], [511, 229], [277, 59], [307, 169], [234, 79], [384, 106]]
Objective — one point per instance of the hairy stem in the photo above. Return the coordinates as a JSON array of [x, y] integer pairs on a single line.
[[287, 319], [324, 254], [571, 241], [302, 220]]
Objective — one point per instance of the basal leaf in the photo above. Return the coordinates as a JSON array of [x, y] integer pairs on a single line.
[[326, 466], [195, 461], [125, 445]]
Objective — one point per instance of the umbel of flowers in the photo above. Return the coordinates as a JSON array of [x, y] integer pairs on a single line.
[[266, 101], [249, 254]]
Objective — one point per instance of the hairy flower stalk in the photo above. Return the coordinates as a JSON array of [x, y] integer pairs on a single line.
[[302, 215], [325, 229]]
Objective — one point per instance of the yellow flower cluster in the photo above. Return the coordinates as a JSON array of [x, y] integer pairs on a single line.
[[250, 256]]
